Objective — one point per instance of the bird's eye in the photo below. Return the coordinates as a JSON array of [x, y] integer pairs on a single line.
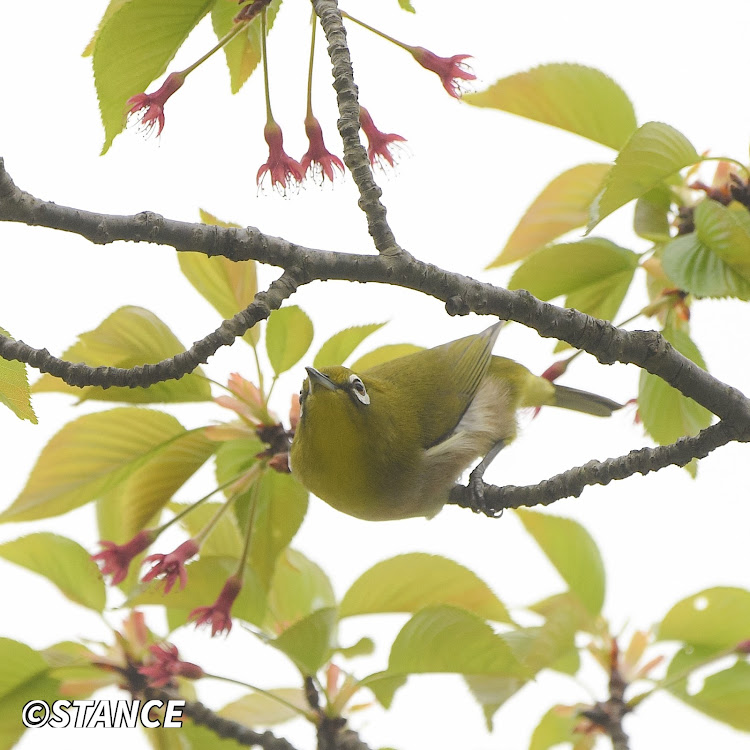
[[359, 390]]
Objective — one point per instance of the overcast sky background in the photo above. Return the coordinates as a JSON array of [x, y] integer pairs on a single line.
[[453, 201]]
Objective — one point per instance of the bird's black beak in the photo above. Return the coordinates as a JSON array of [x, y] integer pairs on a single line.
[[317, 377]]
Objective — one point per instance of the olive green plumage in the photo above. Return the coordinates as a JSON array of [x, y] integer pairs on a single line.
[[391, 441]]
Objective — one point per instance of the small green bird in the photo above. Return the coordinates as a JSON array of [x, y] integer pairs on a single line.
[[390, 442]]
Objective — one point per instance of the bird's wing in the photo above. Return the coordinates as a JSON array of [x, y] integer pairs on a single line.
[[437, 385]]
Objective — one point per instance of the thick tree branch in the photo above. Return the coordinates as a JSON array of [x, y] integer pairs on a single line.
[[204, 716], [461, 294], [80, 375], [355, 156], [572, 482]]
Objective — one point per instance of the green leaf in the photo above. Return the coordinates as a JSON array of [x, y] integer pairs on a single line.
[[450, 639], [724, 695], [716, 618], [492, 692], [573, 552], [63, 562], [594, 273], [651, 217], [14, 387], [41, 687], [224, 539], [383, 354], [90, 456], [666, 414], [562, 206], [130, 336], [206, 578], [289, 333], [134, 47], [693, 267], [152, 486], [713, 261], [281, 504], [299, 587], [308, 643], [556, 728], [111, 8], [407, 583], [575, 98], [384, 686], [260, 709], [653, 153], [543, 647], [236, 456], [342, 344], [406, 5], [20, 664], [230, 286], [243, 53]]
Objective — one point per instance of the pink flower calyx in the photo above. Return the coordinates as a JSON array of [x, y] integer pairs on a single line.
[[452, 71], [285, 172], [166, 665], [380, 148], [172, 565], [218, 614], [318, 159], [148, 109], [117, 557]]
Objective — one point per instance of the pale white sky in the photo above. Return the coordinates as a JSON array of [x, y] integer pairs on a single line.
[[454, 201]]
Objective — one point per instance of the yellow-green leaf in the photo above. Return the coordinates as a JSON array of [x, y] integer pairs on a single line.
[[243, 53], [262, 709], [716, 618], [130, 336], [14, 387], [383, 354], [88, 457], [298, 588], [309, 642], [654, 152], [289, 333], [573, 552], [230, 286], [20, 664], [651, 217], [152, 486], [562, 205], [666, 414], [575, 98], [724, 695], [281, 504], [408, 583], [133, 47], [696, 269], [450, 639], [556, 728], [714, 260], [40, 687], [491, 692], [342, 344], [594, 273], [63, 562]]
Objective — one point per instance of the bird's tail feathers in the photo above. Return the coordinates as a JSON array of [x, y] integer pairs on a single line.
[[583, 401]]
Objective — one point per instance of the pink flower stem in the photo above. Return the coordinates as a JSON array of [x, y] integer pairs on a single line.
[[381, 34], [264, 53], [238, 27], [310, 67], [201, 535]]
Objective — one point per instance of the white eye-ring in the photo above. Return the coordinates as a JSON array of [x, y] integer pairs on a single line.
[[359, 390]]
